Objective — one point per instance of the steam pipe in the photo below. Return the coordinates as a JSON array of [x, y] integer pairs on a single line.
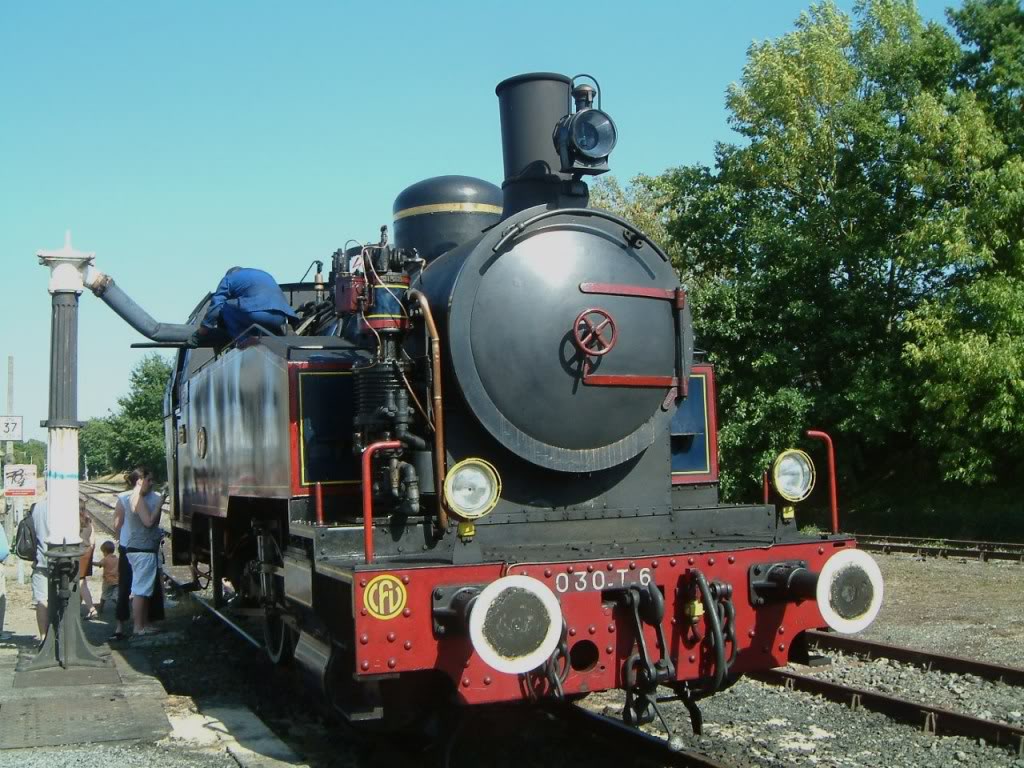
[[407, 474], [367, 463], [831, 475], [104, 287], [439, 449]]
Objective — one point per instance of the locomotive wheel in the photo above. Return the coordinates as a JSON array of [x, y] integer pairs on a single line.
[[200, 575], [278, 636]]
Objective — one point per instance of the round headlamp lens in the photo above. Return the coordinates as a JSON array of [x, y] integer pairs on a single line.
[[472, 488], [793, 475], [593, 133]]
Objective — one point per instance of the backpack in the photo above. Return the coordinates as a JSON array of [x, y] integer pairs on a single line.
[[25, 542]]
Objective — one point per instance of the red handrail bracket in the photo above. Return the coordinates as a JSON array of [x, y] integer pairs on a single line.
[[367, 463], [831, 474]]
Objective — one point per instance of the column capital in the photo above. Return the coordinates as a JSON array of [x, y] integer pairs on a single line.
[[67, 267]]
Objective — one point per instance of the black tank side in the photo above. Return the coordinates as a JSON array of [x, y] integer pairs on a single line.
[[435, 215]]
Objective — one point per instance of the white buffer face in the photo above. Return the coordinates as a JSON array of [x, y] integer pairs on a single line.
[[515, 624], [849, 591]]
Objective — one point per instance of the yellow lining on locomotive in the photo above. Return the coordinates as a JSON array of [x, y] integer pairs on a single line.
[[417, 210], [302, 432], [707, 426]]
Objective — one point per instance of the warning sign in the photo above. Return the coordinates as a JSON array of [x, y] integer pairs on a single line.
[[20, 480]]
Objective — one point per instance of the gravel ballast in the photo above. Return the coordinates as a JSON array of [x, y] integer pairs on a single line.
[[967, 694]]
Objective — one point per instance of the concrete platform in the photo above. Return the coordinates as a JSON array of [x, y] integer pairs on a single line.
[[121, 701]]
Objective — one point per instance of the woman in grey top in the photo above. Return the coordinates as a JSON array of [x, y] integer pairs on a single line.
[[141, 536]]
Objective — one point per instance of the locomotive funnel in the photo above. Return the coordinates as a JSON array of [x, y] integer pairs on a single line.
[[531, 106], [515, 624]]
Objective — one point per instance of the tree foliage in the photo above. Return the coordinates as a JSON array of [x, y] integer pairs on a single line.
[[134, 434], [857, 258], [31, 452]]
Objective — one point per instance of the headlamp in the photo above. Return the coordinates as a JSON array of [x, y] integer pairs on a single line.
[[586, 135], [472, 488], [793, 475], [593, 134]]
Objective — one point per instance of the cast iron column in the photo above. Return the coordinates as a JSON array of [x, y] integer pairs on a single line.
[[65, 644]]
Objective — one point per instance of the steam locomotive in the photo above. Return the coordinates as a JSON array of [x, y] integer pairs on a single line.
[[483, 466]]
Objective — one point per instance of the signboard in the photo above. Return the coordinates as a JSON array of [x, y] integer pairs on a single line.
[[10, 428], [20, 480]]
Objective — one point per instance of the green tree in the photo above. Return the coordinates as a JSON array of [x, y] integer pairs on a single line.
[[968, 340], [992, 67], [31, 452], [841, 255], [95, 446], [643, 202], [134, 434]]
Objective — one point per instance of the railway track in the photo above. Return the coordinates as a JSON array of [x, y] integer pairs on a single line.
[[933, 719], [977, 550], [931, 662], [92, 492], [632, 741]]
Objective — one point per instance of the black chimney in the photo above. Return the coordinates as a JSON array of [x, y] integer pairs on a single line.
[[531, 106]]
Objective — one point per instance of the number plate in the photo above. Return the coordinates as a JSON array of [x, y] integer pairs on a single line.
[[598, 580]]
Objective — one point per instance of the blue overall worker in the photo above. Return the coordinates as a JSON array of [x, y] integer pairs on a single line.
[[243, 297]]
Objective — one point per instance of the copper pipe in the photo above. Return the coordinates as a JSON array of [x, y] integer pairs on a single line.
[[439, 449], [765, 486], [367, 463], [318, 501]]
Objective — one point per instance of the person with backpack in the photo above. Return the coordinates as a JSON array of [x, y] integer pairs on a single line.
[[5, 551], [33, 531]]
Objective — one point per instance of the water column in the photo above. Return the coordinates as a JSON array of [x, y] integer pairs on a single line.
[[65, 644]]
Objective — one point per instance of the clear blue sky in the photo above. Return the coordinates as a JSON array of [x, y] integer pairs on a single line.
[[178, 139]]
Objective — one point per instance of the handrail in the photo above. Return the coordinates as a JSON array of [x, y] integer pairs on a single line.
[[367, 463], [831, 474]]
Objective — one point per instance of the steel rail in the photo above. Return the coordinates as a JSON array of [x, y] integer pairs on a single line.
[[883, 544], [230, 622], [638, 743], [934, 720], [226, 619], [932, 662], [968, 543], [104, 524]]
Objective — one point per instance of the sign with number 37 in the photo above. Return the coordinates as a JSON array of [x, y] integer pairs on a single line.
[[10, 428]]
